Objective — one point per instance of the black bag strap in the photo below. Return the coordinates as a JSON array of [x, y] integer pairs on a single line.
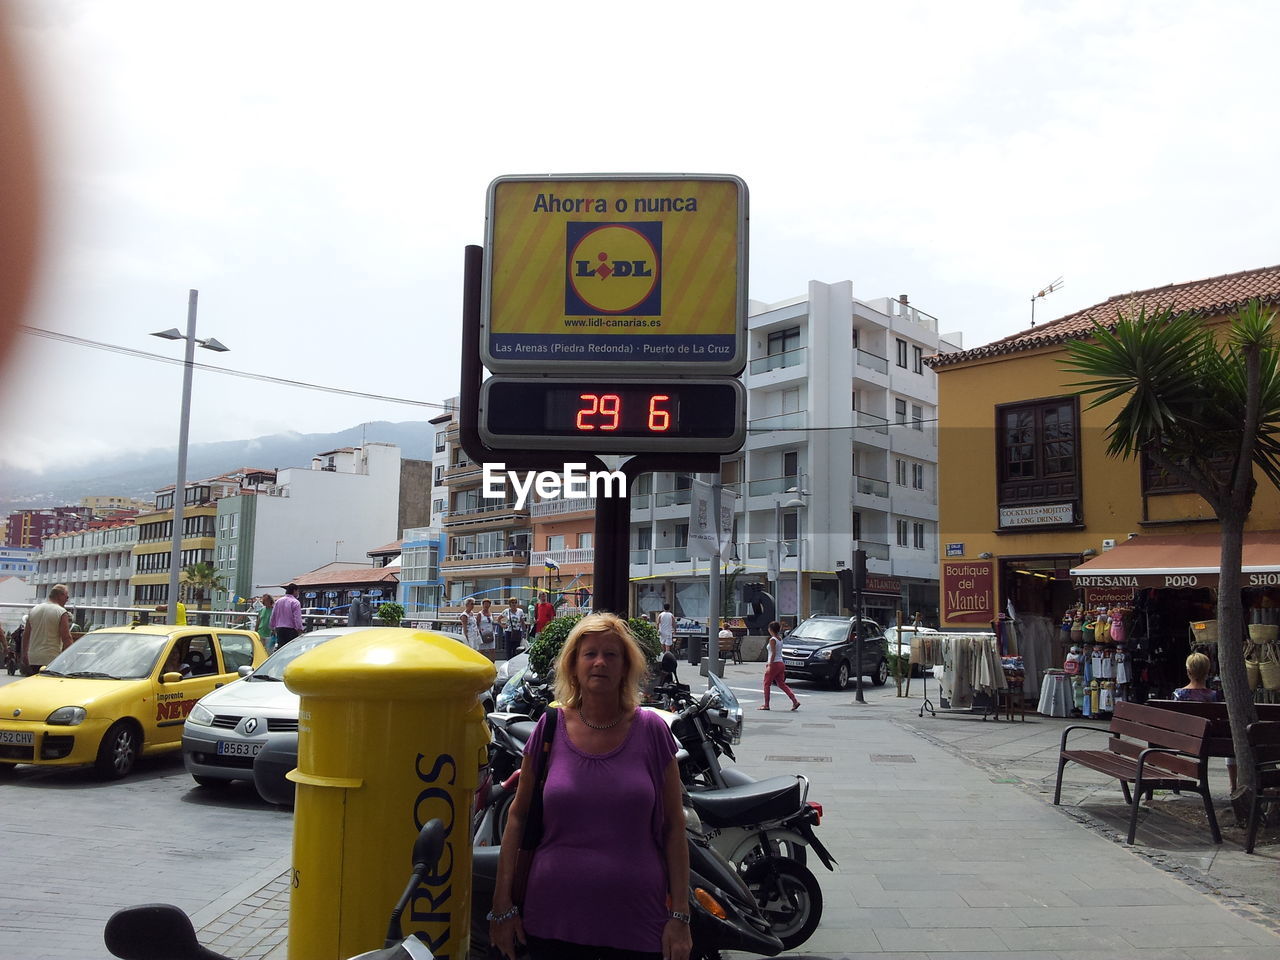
[[533, 821]]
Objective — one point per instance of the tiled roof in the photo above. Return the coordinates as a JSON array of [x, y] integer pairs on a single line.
[[1210, 297], [392, 547], [370, 575]]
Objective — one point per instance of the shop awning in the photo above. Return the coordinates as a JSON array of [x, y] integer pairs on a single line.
[[1179, 560]]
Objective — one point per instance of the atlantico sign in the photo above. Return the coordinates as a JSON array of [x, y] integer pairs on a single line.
[[625, 274]]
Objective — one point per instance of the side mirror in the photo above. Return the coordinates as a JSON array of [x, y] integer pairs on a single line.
[[173, 676], [153, 931], [429, 845], [245, 670]]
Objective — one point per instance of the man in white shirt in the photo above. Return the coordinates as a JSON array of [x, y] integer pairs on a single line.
[[666, 627], [48, 631]]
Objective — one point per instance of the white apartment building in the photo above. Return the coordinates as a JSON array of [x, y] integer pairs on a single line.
[[96, 565], [841, 454], [346, 502]]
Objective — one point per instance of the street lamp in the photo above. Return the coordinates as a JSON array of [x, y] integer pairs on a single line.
[[184, 423]]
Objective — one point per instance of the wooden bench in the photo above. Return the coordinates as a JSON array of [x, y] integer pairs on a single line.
[[1264, 737], [1152, 748], [1219, 744]]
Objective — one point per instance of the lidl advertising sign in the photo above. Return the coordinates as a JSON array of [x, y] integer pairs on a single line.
[[628, 274]]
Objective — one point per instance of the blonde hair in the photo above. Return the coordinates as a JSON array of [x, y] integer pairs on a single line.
[[1198, 667], [566, 683]]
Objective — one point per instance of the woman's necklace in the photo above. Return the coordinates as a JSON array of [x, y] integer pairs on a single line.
[[601, 726]]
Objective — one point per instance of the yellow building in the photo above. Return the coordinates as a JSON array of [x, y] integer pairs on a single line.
[[152, 554], [1027, 493]]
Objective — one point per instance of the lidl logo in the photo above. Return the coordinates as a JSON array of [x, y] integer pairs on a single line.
[[613, 268]]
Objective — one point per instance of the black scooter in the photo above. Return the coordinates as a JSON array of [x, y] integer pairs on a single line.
[[161, 931]]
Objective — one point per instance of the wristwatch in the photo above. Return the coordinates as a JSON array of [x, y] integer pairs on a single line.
[[682, 917]]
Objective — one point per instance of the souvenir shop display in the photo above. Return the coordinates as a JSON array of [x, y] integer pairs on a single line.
[[1098, 667]]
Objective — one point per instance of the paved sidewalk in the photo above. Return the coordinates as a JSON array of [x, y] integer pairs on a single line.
[[948, 844]]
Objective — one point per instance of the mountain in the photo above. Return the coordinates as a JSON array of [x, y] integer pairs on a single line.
[[140, 475]]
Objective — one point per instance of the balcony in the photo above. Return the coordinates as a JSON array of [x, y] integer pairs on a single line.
[[759, 549], [864, 358], [504, 560], [871, 487], [778, 361], [669, 498], [562, 557], [552, 508], [772, 486], [876, 549], [671, 555], [640, 558], [457, 472], [487, 514], [782, 421]]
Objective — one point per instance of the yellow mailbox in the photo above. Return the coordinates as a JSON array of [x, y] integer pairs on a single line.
[[391, 734]]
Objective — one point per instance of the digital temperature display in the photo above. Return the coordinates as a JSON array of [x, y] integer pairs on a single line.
[[619, 415]]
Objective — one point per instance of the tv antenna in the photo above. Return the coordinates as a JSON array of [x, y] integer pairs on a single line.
[[1041, 294]]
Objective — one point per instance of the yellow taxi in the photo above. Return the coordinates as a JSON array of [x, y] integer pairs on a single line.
[[118, 693]]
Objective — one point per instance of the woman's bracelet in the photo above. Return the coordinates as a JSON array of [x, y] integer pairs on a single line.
[[503, 917]]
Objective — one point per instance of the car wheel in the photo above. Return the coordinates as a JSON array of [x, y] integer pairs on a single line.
[[881, 675], [841, 679], [118, 751], [216, 783]]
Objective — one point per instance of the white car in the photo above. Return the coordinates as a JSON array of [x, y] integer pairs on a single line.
[[227, 728], [901, 645]]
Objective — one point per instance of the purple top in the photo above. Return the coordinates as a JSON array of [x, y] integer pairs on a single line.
[[287, 612], [599, 876], [1202, 695]]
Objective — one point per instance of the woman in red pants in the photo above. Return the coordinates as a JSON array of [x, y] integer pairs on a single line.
[[774, 670]]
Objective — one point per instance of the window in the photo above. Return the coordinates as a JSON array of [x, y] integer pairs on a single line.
[[586, 540], [437, 506], [900, 472], [857, 525], [917, 417], [555, 542], [1038, 452], [682, 534], [900, 409], [902, 353], [644, 538], [917, 476], [902, 533], [439, 476], [790, 463], [783, 340], [440, 441], [855, 338], [917, 359], [917, 535]]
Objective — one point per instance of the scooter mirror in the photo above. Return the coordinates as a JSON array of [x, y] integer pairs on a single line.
[[154, 931], [429, 845]]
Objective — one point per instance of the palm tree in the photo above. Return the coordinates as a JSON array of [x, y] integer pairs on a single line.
[[200, 579], [1207, 413]]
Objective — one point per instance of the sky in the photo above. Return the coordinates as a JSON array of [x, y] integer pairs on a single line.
[[315, 170]]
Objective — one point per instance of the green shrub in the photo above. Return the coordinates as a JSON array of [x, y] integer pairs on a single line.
[[390, 614], [546, 647]]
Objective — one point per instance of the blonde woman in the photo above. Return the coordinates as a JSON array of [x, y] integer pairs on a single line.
[[610, 878]]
